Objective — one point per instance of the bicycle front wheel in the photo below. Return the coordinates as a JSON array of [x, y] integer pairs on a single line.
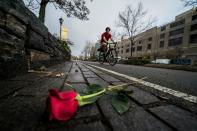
[[101, 57], [113, 57]]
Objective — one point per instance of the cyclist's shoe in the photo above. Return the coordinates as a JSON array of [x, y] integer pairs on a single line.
[[99, 49]]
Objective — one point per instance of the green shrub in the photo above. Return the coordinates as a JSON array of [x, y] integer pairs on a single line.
[[136, 61], [93, 59]]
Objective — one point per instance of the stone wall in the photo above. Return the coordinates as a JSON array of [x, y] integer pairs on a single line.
[[21, 33]]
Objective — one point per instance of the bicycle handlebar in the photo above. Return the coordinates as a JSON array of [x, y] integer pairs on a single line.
[[115, 43], [112, 43]]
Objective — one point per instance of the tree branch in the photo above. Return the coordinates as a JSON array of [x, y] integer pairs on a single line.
[[190, 2], [133, 21]]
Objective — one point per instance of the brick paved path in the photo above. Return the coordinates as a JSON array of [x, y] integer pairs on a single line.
[[22, 104]]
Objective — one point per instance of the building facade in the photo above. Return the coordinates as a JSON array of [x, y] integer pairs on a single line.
[[64, 33], [173, 40]]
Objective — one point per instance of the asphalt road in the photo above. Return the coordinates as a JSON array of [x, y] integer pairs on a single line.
[[183, 81]]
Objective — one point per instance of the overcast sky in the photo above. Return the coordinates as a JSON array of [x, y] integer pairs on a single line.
[[104, 13]]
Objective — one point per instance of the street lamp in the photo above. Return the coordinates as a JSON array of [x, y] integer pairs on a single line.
[[61, 22]]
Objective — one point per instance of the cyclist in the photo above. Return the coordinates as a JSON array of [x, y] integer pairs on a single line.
[[105, 38]]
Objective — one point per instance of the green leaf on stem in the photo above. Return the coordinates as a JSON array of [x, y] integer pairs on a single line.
[[121, 103]]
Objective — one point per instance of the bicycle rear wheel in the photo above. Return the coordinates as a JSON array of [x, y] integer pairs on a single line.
[[101, 57], [113, 57]]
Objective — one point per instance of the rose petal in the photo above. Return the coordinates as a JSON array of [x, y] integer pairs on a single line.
[[61, 105]]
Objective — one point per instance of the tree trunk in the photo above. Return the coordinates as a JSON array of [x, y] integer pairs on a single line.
[[131, 47], [43, 5]]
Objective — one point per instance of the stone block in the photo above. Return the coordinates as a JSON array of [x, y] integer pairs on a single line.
[[21, 113], [84, 69], [88, 111], [41, 87], [10, 87], [75, 77], [79, 87], [36, 41], [98, 81], [79, 125], [75, 69], [111, 115], [97, 72], [28, 77], [141, 96], [18, 9], [9, 41], [15, 25], [109, 78], [136, 118], [93, 126], [2, 18], [89, 74], [38, 56], [180, 119], [10, 66]]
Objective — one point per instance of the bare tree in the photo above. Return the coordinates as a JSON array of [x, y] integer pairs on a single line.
[[33, 5], [93, 52], [72, 8], [133, 22], [116, 35], [87, 49], [192, 3]]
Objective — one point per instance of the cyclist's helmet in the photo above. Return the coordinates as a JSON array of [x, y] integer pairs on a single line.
[[107, 28]]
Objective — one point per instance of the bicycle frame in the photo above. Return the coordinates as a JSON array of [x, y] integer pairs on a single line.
[[107, 54], [110, 48]]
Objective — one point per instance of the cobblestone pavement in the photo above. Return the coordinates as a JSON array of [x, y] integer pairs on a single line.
[[22, 104]]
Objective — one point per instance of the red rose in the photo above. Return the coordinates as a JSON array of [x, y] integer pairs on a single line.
[[61, 106]]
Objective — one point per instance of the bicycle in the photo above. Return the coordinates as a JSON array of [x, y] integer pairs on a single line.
[[110, 55]]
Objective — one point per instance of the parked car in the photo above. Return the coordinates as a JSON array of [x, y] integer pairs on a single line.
[[161, 61]]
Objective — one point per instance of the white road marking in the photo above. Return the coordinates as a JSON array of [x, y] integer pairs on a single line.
[[175, 93]]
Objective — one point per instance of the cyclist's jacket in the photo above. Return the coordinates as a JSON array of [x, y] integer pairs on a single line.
[[106, 35]]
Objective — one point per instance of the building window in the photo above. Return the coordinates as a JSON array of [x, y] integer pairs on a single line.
[[162, 36], [193, 38], [176, 32], [180, 22], [127, 50], [121, 51], [139, 48], [161, 44], [133, 49], [175, 41], [193, 27], [163, 28], [149, 46], [140, 42], [122, 46], [128, 45], [150, 39], [194, 17]]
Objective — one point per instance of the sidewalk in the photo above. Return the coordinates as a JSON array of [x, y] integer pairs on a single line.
[[191, 68], [22, 104]]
